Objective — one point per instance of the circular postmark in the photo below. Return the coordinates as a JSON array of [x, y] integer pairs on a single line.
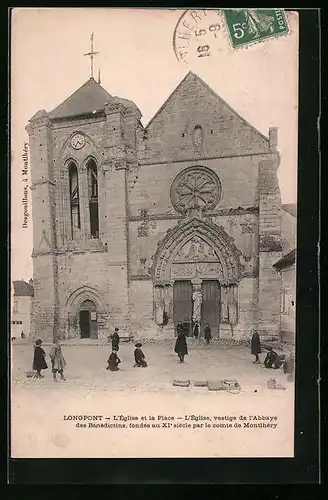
[[198, 34]]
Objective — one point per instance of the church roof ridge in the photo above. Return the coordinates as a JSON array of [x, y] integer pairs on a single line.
[[168, 98], [88, 98], [192, 74]]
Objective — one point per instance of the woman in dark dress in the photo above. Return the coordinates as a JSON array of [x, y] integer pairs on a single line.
[[256, 347], [181, 345], [39, 362], [207, 333], [139, 356], [113, 362]]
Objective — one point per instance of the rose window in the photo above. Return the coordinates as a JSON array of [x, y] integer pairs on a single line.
[[195, 187]]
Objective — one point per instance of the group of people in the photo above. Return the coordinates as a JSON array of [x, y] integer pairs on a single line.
[[114, 360], [272, 359], [57, 359], [181, 348], [58, 363], [195, 330]]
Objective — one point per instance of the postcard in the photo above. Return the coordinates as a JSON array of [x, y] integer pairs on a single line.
[[153, 232]]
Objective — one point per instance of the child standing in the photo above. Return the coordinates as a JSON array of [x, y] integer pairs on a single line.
[[39, 362], [58, 362], [139, 357]]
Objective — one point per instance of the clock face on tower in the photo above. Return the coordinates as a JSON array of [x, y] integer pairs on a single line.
[[77, 141]]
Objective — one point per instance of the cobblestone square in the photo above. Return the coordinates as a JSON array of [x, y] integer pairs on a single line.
[[39, 406]]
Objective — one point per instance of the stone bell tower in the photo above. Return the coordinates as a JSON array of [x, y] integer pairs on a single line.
[[81, 153]]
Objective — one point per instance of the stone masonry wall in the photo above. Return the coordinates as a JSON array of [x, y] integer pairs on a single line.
[[141, 305], [170, 133], [238, 177]]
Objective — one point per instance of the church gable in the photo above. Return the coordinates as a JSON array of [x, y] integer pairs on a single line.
[[196, 122]]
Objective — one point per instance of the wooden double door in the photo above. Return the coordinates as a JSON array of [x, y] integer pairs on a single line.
[[183, 304]]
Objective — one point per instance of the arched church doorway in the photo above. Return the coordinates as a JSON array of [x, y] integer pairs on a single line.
[[198, 266], [88, 320], [197, 300]]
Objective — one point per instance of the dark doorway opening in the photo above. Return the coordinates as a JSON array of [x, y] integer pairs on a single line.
[[88, 320], [85, 324], [211, 305], [182, 305]]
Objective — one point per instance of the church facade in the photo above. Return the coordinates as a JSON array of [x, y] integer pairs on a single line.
[[138, 226]]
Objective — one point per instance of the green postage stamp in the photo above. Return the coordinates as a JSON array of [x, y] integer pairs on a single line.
[[247, 26]]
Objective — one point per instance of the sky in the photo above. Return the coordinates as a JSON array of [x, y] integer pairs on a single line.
[[137, 61]]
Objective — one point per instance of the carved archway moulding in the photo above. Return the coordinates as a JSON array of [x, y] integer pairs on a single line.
[[76, 299], [228, 267]]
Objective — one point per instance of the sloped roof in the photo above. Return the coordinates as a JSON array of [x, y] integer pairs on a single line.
[[185, 81], [89, 98], [23, 289], [287, 260], [291, 208]]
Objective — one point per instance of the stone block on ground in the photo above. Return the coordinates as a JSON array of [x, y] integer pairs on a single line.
[[230, 385], [181, 383], [215, 385]]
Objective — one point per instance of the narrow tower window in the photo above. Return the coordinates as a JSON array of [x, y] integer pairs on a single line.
[[74, 200], [93, 198]]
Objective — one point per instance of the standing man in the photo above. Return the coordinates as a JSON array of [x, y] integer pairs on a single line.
[[181, 345], [256, 347], [115, 340]]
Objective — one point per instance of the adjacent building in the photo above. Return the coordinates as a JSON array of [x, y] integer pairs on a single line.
[[22, 309], [286, 266]]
